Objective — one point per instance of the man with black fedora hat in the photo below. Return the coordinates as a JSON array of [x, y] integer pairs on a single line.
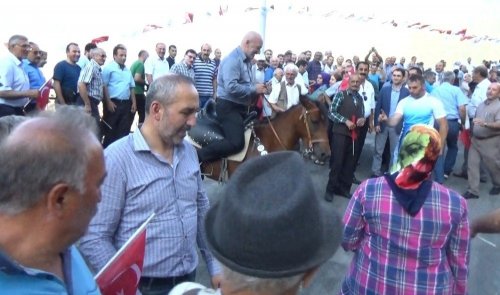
[[268, 229]]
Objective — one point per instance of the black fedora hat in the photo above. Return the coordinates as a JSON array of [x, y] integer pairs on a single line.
[[268, 222]]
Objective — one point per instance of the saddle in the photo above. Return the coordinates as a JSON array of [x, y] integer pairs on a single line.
[[208, 128]]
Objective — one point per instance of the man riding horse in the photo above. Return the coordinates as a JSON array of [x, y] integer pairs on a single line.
[[236, 92]]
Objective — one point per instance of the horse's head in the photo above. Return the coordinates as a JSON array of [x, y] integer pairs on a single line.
[[315, 132]]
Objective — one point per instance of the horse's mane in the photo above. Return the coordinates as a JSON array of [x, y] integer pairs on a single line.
[[321, 106]]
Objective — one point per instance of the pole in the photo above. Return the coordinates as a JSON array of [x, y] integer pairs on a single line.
[[263, 20]]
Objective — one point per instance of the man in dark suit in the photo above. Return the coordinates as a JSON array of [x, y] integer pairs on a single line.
[[387, 101]]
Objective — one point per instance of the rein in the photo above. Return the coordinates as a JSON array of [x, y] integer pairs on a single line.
[[304, 114], [275, 133]]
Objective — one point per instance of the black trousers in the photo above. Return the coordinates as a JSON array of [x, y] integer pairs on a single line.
[[140, 101], [360, 142], [342, 168], [94, 109], [157, 286], [120, 121], [6, 110], [230, 116]]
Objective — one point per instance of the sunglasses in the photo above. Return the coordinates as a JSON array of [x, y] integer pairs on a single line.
[[364, 96]]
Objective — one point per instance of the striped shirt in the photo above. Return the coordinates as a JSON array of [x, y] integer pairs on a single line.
[[182, 69], [92, 77], [204, 76], [140, 182], [395, 253]]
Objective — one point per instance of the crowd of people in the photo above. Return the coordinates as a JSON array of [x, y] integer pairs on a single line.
[[76, 183]]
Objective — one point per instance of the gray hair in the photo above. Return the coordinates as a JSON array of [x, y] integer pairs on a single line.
[[291, 67], [164, 89], [260, 285], [15, 39], [57, 151], [96, 51], [428, 74], [449, 77], [8, 123], [481, 70]]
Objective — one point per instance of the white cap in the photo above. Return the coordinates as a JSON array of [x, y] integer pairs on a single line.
[[259, 57]]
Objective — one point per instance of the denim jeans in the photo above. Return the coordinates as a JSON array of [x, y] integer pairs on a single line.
[[445, 162]]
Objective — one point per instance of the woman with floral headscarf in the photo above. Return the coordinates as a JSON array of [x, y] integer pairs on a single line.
[[409, 235]]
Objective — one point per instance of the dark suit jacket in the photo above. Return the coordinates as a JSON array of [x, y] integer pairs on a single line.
[[384, 103]]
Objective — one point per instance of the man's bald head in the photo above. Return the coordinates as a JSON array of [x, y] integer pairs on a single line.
[[278, 74], [251, 44], [493, 91], [42, 152]]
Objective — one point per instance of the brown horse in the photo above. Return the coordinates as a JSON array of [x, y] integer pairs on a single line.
[[307, 120]]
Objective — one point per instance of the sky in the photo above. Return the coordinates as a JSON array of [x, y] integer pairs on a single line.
[[57, 23]]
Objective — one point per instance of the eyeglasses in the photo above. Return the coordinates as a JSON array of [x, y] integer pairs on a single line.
[[36, 52], [103, 55], [364, 96], [24, 46]]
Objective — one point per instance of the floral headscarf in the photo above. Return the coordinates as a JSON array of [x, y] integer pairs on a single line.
[[411, 183]]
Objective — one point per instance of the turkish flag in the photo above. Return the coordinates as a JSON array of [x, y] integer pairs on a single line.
[[464, 137], [122, 274], [148, 28], [188, 17], [354, 132], [43, 97], [100, 39], [467, 37]]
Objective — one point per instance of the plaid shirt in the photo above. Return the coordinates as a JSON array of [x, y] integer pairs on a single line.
[[91, 75], [399, 254], [334, 114], [182, 69]]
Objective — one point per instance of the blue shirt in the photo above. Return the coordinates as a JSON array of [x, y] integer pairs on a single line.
[[452, 98], [34, 74], [268, 74], [235, 81], [394, 100], [18, 279], [138, 183], [67, 74], [375, 78], [313, 70], [424, 110], [83, 61], [428, 87], [13, 77], [119, 81]]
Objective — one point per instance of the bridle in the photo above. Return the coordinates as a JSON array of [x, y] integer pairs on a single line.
[[305, 118], [304, 115]]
